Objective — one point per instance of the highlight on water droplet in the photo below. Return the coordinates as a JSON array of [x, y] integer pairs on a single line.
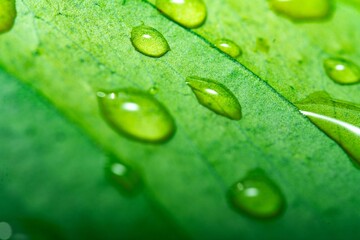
[[7, 15], [216, 97], [302, 9], [188, 13], [123, 177], [342, 71], [137, 115], [228, 47], [257, 196], [338, 119], [149, 41]]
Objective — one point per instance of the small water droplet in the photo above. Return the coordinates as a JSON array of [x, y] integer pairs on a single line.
[[342, 71], [5, 231], [122, 176], [137, 115], [339, 120], [149, 41], [302, 9], [216, 97], [228, 47], [7, 15], [153, 90], [188, 13], [257, 196]]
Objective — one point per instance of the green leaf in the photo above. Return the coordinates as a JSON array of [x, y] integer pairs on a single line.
[[68, 50]]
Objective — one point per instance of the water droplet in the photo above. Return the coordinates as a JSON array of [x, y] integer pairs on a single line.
[[257, 196], [122, 176], [302, 9], [137, 115], [7, 15], [149, 41], [188, 13], [153, 90], [339, 120], [5, 231], [216, 97], [228, 47], [342, 71]]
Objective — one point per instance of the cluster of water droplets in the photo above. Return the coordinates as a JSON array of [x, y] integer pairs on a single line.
[[138, 115]]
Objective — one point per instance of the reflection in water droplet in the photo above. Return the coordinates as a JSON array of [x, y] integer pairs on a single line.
[[5, 231], [137, 115], [302, 9], [7, 15], [149, 41], [216, 97], [188, 13], [339, 120], [342, 71], [228, 47], [122, 176], [257, 196]]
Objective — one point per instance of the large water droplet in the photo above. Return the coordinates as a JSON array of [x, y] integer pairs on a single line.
[[339, 120], [302, 9], [216, 97], [228, 47], [7, 15], [342, 71], [137, 114], [149, 41], [188, 13], [257, 196], [122, 176]]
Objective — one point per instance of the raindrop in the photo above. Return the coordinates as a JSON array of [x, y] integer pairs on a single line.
[[342, 71], [188, 13], [137, 114], [228, 47], [257, 196], [302, 9], [149, 41], [216, 97], [7, 15], [122, 176]]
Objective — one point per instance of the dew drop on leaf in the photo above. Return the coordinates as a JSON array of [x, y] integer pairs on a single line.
[[342, 71], [125, 179], [149, 41], [188, 13], [137, 115], [153, 90], [228, 47], [216, 97], [257, 196], [302, 9], [339, 120], [7, 15]]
